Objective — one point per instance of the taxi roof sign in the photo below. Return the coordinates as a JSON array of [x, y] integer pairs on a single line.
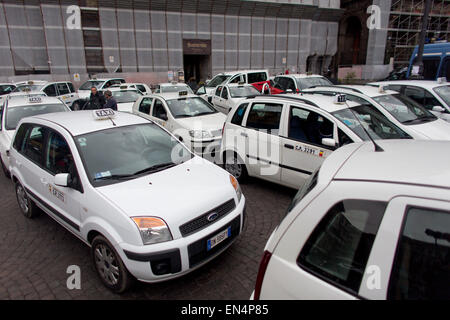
[[103, 114], [442, 80], [340, 99], [382, 89], [35, 99], [183, 93]]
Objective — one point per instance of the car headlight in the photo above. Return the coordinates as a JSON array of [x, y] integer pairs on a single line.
[[236, 187], [200, 134], [152, 229]]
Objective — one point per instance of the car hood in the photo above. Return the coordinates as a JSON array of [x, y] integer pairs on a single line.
[[435, 130], [177, 195], [211, 122]]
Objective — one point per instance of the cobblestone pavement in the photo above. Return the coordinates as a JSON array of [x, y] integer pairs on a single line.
[[35, 254]]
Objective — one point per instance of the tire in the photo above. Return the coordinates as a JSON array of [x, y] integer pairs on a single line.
[[235, 167], [5, 171], [117, 279], [26, 205]]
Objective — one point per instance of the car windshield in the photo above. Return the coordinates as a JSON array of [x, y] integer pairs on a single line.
[[28, 87], [305, 83], [126, 96], [91, 83], [242, 92], [444, 93], [189, 107], [124, 153], [404, 109], [373, 121], [15, 114], [217, 81], [5, 89], [176, 88]]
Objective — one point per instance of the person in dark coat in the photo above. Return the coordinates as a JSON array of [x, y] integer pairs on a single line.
[[111, 103], [96, 100]]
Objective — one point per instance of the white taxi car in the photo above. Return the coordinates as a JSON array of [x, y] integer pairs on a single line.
[[433, 95], [142, 87], [111, 179], [228, 96], [299, 82], [17, 106], [284, 140], [414, 119], [63, 90], [84, 91], [367, 225], [190, 118], [173, 87]]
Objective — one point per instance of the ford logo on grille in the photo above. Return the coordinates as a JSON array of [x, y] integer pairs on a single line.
[[212, 217]]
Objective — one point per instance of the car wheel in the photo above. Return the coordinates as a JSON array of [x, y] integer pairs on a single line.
[[26, 205], [235, 167], [5, 171], [109, 266]]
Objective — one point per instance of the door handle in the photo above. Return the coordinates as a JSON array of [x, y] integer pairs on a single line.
[[289, 146], [244, 134]]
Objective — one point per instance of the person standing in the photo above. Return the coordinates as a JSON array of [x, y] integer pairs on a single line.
[[96, 100], [111, 103]]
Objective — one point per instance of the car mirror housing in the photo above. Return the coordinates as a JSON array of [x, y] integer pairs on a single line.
[[329, 142], [62, 179], [438, 109]]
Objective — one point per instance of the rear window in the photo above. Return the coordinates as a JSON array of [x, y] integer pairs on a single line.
[[239, 114], [265, 116], [338, 249], [257, 77]]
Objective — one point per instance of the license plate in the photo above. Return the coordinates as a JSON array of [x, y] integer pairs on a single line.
[[225, 234]]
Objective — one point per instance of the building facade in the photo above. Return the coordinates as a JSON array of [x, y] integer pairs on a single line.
[[43, 38]]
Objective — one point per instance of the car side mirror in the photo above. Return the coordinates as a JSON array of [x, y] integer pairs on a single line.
[[329, 142], [164, 117], [438, 109], [62, 180]]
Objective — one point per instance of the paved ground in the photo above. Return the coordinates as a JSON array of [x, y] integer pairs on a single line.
[[34, 255]]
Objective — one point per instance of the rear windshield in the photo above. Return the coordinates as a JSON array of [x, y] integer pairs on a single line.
[[91, 83], [216, 81], [28, 87], [444, 93], [305, 83], [14, 115], [176, 88]]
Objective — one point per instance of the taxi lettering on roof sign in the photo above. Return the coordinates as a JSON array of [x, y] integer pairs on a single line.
[[35, 99], [340, 98], [103, 114], [183, 93]]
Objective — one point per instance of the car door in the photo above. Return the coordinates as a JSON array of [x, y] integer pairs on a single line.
[[226, 102], [217, 98], [160, 113], [262, 127], [64, 93], [144, 107], [411, 255], [301, 147], [64, 201]]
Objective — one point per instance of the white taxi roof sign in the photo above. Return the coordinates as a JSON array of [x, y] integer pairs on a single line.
[[183, 93], [102, 114], [442, 80], [123, 87], [382, 88], [35, 99]]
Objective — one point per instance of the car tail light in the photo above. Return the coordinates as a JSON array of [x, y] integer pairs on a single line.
[[262, 271]]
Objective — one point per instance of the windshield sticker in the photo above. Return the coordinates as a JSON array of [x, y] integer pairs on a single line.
[[102, 175], [56, 193]]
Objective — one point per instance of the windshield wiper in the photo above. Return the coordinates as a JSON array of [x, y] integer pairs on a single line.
[[114, 177], [155, 168]]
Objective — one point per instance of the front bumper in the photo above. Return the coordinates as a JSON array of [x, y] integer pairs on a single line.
[[172, 259]]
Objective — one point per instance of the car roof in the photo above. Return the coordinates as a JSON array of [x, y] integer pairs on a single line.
[[113, 89], [172, 95], [83, 122], [369, 91], [420, 83], [402, 161], [25, 94], [302, 75], [321, 101], [20, 101], [170, 84]]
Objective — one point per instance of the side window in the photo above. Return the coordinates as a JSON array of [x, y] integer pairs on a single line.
[[339, 247], [71, 87], [58, 158], [265, 116], [257, 77], [280, 83], [356, 99], [158, 110], [141, 88], [309, 126], [33, 148], [415, 93], [145, 105], [343, 138], [395, 87], [20, 137], [1, 118], [62, 89], [239, 114], [430, 101], [238, 78], [421, 267], [218, 91], [50, 90], [225, 93], [290, 85]]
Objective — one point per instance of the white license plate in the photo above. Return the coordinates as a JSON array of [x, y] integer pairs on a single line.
[[225, 234]]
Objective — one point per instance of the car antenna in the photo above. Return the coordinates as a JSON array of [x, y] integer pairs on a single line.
[[343, 99], [114, 124]]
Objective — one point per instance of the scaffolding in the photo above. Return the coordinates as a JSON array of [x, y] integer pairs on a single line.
[[405, 24]]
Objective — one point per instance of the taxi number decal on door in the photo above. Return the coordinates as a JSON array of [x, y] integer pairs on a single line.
[[314, 152], [56, 193]]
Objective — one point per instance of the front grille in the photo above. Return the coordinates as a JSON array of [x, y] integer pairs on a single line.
[[202, 221]]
